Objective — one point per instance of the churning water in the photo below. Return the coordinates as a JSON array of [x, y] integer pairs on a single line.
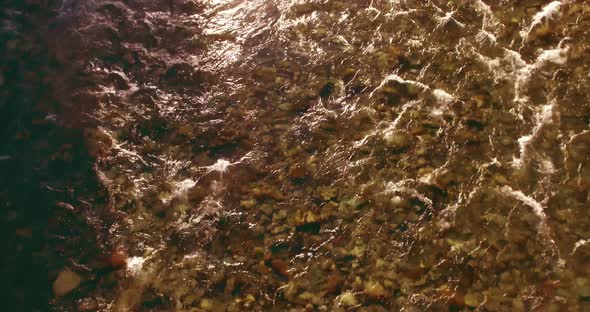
[[385, 155]]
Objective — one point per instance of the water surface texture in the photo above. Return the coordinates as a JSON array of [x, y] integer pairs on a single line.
[[333, 155]]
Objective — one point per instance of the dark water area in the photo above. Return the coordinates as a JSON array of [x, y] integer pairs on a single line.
[[46, 174], [185, 155]]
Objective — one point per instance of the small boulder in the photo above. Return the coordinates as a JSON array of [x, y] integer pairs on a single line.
[[375, 290]]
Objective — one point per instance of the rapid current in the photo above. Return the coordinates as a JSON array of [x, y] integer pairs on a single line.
[[326, 155]]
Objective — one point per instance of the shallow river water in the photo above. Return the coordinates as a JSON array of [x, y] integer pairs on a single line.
[[333, 155]]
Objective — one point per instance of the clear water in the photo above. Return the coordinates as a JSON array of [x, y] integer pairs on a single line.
[[340, 155]]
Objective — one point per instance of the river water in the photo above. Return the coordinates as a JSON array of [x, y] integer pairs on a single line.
[[336, 155]]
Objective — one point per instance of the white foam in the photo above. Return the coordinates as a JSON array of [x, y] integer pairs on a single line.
[[407, 187], [536, 207], [135, 266], [482, 34], [450, 211], [489, 21], [119, 147], [492, 64], [182, 187], [220, 165], [388, 132], [399, 79], [547, 166], [448, 17], [579, 244], [515, 58], [543, 117], [547, 13], [524, 71], [556, 56], [443, 97]]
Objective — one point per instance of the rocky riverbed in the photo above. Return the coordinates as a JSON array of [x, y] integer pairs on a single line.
[[252, 155]]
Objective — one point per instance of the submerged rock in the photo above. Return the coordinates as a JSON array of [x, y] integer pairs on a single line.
[[397, 139], [65, 282]]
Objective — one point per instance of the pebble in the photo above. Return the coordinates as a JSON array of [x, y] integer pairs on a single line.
[[248, 203], [471, 300], [66, 282], [305, 217], [347, 299], [206, 304], [286, 107], [280, 267], [117, 260], [297, 171]]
